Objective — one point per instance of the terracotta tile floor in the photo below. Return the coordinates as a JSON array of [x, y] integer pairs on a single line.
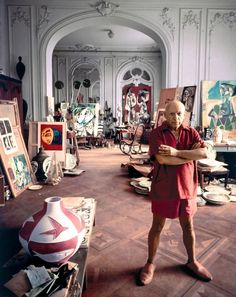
[[118, 245]]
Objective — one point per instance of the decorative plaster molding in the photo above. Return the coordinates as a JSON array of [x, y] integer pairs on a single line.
[[106, 8], [43, 17], [191, 19], [167, 21], [136, 59], [62, 61], [228, 18], [20, 16], [109, 62], [86, 47]]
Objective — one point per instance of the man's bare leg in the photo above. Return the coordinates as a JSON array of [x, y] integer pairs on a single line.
[[189, 240], [147, 272]]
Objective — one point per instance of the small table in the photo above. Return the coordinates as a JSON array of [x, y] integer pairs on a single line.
[[211, 173]]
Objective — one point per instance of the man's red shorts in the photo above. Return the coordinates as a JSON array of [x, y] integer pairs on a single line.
[[174, 208]]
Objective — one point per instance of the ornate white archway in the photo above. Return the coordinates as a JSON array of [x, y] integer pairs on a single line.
[[74, 23], [79, 63]]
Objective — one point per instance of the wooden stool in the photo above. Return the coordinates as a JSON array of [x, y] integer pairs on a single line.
[[211, 174]]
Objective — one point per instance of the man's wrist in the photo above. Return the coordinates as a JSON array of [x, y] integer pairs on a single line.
[[177, 154]]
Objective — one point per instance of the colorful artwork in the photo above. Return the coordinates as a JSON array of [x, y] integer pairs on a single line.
[[219, 105], [7, 137], [19, 172], [187, 97], [13, 153], [51, 136], [136, 104], [85, 118], [185, 94]]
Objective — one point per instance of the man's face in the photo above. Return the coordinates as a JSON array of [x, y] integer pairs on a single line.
[[174, 115]]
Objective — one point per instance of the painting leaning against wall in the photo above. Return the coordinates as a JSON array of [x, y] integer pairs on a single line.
[[219, 105], [86, 118]]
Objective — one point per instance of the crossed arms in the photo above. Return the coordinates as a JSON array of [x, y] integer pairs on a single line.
[[170, 156]]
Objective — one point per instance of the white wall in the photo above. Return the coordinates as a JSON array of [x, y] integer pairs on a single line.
[[198, 39], [4, 61]]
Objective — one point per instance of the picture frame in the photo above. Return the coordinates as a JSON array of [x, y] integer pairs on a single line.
[[15, 160], [184, 94], [52, 137]]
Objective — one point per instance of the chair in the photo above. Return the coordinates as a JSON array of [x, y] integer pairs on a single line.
[[133, 145]]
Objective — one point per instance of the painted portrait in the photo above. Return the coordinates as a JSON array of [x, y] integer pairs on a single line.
[[51, 136], [136, 103], [219, 105], [20, 172]]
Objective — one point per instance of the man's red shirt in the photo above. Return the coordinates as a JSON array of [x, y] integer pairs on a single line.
[[174, 181]]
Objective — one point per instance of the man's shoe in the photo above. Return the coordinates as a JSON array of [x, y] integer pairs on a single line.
[[197, 270], [146, 274]]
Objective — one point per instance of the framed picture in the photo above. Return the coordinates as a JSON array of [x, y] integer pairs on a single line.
[[52, 137], [187, 96], [184, 94], [219, 105], [136, 103], [166, 95], [7, 136], [15, 159]]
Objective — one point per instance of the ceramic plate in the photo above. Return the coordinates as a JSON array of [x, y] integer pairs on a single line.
[[215, 198], [35, 187], [217, 189], [232, 189], [133, 183], [73, 202], [46, 165], [145, 183], [232, 198], [142, 191], [199, 191], [70, 161], [142, 178], [200, 201]]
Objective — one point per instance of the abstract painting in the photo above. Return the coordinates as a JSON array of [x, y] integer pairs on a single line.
[[7, 137], [136, 103], [184, 94], [52, 137], [219, 105], [85, 117]]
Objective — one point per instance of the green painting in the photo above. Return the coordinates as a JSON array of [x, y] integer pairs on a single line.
[[219, 105]]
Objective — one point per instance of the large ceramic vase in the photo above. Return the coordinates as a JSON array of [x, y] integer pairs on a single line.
[[53, 234], [40, 163]]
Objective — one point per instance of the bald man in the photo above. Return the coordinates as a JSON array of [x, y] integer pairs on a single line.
[[174, 149]]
